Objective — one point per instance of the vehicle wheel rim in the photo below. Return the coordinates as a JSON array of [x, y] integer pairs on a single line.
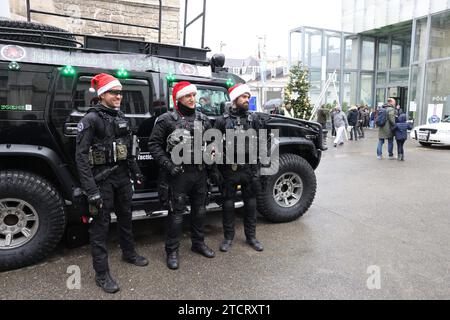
[[288, 190], [19, 223]]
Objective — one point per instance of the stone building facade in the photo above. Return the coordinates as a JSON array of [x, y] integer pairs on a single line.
[[136, 12]]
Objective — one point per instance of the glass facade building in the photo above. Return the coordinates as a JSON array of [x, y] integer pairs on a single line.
[[408, 60]]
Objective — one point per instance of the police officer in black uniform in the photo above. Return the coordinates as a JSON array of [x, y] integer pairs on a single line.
[[106, 164], [188, 181], [247, 175]]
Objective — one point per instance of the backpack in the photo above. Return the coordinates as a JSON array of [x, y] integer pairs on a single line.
[[382, 117]]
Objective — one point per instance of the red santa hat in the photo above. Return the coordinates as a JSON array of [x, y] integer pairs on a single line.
[[103, 82], [182, 89], [238, 90]]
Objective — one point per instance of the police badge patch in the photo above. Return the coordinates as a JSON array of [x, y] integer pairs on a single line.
[[80, 127]]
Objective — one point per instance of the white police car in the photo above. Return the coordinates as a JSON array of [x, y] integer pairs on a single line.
[[436, 133]]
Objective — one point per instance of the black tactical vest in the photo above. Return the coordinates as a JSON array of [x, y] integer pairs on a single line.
[[112, 142]]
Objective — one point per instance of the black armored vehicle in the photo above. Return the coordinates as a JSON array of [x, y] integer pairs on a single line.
[[44, 92]]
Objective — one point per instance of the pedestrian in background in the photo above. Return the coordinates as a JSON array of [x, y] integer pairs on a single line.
[[353, 118], [341, 124], [387, 114], [322, 116], [401, 135]]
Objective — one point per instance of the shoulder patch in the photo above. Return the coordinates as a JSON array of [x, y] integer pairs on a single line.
[[80, 126]]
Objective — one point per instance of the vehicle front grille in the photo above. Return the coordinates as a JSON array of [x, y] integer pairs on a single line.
[[432, 131]]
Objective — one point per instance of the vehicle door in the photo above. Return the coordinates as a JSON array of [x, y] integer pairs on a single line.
[[72, 99]]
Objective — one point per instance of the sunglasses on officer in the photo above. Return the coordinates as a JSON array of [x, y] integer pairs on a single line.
[[115, 92]]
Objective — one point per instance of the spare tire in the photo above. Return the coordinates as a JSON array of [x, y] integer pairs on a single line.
[[33, 35]]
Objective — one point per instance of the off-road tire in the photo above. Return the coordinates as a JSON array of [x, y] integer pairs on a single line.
[[301, 170], [48, 206]]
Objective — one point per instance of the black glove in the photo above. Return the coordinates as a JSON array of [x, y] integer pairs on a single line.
[[95, 204], [173, 169]]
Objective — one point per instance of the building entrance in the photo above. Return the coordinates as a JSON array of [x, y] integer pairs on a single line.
[[400, 94]]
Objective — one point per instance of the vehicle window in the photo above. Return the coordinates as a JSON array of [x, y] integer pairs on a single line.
[[210, 100], [23, 90], [135, 101]]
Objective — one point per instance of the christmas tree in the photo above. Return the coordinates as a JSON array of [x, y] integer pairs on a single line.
[[296, 92]]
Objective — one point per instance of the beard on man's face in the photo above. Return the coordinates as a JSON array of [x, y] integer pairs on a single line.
[[243, 105]]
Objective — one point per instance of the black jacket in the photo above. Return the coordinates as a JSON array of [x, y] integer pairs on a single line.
[[248, 120], [97, 127], [164, 126]]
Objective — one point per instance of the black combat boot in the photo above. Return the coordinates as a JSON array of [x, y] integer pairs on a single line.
[[226, 245], [108, 284], [172, 260], [204, 250], [255, 244], [135, 259]]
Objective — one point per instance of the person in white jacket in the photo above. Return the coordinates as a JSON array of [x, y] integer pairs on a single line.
[[341, 124]]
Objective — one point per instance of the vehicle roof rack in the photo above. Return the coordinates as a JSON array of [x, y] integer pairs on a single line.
[[103, 44]]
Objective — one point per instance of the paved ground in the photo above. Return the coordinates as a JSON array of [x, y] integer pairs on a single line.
[[368, 216]]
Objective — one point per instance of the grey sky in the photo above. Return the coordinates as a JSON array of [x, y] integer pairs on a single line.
[[238, 23]]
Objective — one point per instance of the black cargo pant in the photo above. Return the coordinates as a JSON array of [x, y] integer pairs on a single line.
[[116, 192], [232, 178], [189, 188]]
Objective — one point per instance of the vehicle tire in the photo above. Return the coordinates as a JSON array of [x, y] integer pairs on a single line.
[[288, 194], [425, 144], [32, 219], [35, 37]]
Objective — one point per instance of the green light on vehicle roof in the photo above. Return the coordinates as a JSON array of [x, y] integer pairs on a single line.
[[170, 78], [14, 66], [122, 73], [230, 83], [68, 71]]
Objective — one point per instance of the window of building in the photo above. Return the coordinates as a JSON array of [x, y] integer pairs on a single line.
[[334, 52], [383, 49], [440, 35], [351, 53], [396, 55], [368, 55], [399, 76], [415, 94], [350, 84], [331, 95], [366, 89], [420, 50], [401, 49], [438, 86], [381, 78], [316, 50], [381, 97]]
